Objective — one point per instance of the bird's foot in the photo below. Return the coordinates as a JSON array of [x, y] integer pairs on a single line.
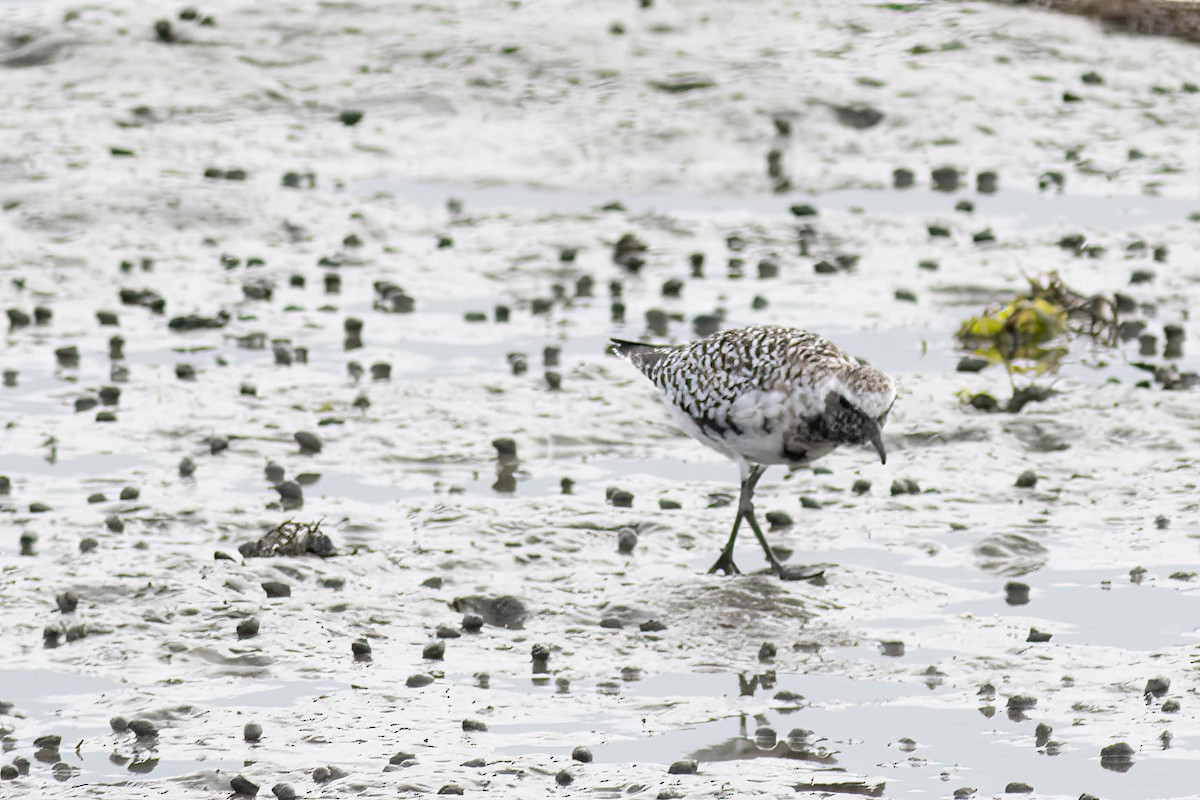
[[725, 564], [798, 572]]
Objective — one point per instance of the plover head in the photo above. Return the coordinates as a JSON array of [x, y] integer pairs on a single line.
[[857, 407]]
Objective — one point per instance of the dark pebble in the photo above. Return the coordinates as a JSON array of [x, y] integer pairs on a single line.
[[418, 680], [945, 179], [27, 541], [350, 117], [1027, 479], [22, 764], [1037, 636], [505, 447], [767, 652], [472, 623], [504, 611], [905, 295], [905, 486], [903, 178], [582, 754], [861, 486], [434, 651], [185, 372], [611, 623], [290, 491], [971, 364], [621, 498], [1042, 734], [1016, 593], [252, 732], [86, 403], [50, 741], [381, 371], [778, 519], [1016, 787], [309, 443], [187, 467], [471, 725], [987, 182], [685, 767], [652, 626], [67, 356], [8, 773], [67, 602], [1157, 686], [119, 724], [360, 648], [241, 785], [626, 541], [892, 649], [1021, 702], [96, 498], [450, 788], [143, 728], [564, 778], [277, 589], [401, 757], [447, 632], [283, 791], [248, 628], [669, 505]]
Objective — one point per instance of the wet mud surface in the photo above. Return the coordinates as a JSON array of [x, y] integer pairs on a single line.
[[361, 266]]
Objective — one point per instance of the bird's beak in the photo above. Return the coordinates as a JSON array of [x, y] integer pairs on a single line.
[[875, 434]]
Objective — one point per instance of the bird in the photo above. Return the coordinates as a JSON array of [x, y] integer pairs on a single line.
[[765, 395]]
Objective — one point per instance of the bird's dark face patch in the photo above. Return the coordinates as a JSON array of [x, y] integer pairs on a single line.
[[843, 423]]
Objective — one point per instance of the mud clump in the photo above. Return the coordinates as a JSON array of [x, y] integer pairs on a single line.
[[291, 538], [502, 611], [1117, 757]]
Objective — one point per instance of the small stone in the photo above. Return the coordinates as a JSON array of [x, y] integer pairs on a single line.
[[1042, 734], [582, 754], [766, 652], [472, 623], [1170, 706], [621, 498], [277, 589], [1021, 702], [67, 602], [309, 443], [903, 178], [474, 725], [1037, 636], [1158, 686], [87, 544], [187, 467], [360, 648], [778, 519], [401, 757], [684, 767], [241, 785], [119, 724], [626, 541], [505, 447], [945, 179], [434, 651], [652, 626], [667, 504], [905, 295], [1016, 787], [564, 778], [447, 632], [892, 649], [611, 623], [861, 486], [418, 680], [971, 364], [1016, 593], [48, 742], [143, 728], [252, 732], [248, 628], [451, 788], [8, 773], [283, 791], [350, 117]]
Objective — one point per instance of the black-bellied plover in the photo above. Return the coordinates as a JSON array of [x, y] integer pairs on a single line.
[[766, 395]]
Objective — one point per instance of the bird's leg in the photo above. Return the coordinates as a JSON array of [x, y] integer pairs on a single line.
[[746, 509], [750, 476], [725, 561]]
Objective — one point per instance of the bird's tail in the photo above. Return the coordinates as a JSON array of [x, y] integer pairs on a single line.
[[640, 354]]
